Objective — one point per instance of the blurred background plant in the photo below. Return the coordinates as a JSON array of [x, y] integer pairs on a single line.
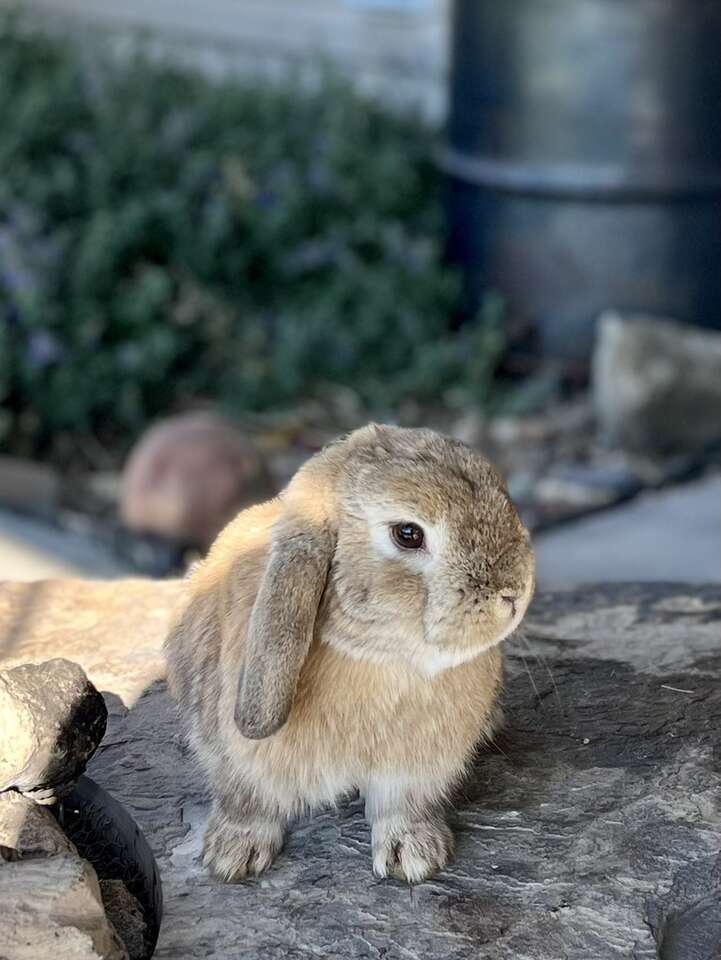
[[166, 237]]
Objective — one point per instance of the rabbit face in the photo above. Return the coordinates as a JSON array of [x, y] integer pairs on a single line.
[[430, 551]]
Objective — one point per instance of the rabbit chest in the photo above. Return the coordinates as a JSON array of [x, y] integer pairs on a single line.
[[354, 721]]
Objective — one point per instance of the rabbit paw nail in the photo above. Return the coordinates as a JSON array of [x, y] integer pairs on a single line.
[[410, 851], [234, 851]]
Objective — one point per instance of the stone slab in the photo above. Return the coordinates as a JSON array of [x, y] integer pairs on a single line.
[[114, 630], [52, 909], [591, 831]]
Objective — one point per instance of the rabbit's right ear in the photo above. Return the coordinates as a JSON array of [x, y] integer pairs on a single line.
[[282, 621]]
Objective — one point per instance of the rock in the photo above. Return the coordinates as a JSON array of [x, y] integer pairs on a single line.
[[28, 830], [126, 916], [591, 830], [52, 909], [687, 921], [28, 486], [656, 384], [52, 720], [188, 476]]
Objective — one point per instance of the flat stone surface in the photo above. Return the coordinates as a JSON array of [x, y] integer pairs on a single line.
[[114, 630], [590, 832], [674, 534]]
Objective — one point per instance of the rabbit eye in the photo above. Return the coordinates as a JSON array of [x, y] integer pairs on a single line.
[[408, 536]]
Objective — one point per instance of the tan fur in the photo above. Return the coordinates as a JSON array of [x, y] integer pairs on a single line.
[[347, 663]]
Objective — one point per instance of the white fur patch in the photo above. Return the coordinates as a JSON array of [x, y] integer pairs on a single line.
[[436, 659], [432, 660], [409, 850], [388, 795]]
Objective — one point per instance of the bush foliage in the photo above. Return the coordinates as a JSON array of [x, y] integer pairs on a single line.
[[165, 237]]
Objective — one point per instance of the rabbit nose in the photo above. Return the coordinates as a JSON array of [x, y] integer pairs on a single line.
[[510, 600], [479, 583]]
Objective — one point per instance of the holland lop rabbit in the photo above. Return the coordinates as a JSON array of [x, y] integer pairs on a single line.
[[345, 635]]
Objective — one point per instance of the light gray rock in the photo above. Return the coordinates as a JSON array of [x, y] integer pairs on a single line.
[[656, 384], [51, 722], [33, 550], [590, 831], [28, 830], [51, 908]]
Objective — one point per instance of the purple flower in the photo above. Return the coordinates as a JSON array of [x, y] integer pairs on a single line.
[[43, 349]]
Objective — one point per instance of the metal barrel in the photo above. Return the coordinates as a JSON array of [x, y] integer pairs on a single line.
[[584, 154]]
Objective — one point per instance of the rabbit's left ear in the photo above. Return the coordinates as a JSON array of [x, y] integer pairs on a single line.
[[282, 622]]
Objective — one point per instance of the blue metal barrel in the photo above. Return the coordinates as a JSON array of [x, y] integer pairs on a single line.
[[584, 154]]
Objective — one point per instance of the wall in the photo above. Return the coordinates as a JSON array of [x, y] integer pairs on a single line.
[[397, 49]]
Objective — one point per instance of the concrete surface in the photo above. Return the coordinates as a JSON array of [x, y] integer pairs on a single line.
[[674, 534], [32, 550]]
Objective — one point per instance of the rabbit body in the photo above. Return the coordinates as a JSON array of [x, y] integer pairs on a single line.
[[304, 660]]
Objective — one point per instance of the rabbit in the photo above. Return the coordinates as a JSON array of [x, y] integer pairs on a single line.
[[345, 636]]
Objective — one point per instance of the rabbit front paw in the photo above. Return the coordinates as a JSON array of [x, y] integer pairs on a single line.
[[233, 851], [410, 850]]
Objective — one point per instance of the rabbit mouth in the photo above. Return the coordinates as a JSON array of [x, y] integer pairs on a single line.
[[479, 626]]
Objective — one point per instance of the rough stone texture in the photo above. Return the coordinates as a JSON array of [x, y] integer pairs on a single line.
[[188, 476], [590, 832], [28, 830], [114, 630], [126, 915], [656, 384], [51, 908], [52, 720]]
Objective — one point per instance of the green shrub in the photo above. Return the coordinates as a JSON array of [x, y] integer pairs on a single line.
[[165, 237]]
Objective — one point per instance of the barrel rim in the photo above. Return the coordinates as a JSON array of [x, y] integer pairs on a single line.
[[586, 181]]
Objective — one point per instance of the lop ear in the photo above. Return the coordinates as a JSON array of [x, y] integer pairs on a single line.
[[282, 622]]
